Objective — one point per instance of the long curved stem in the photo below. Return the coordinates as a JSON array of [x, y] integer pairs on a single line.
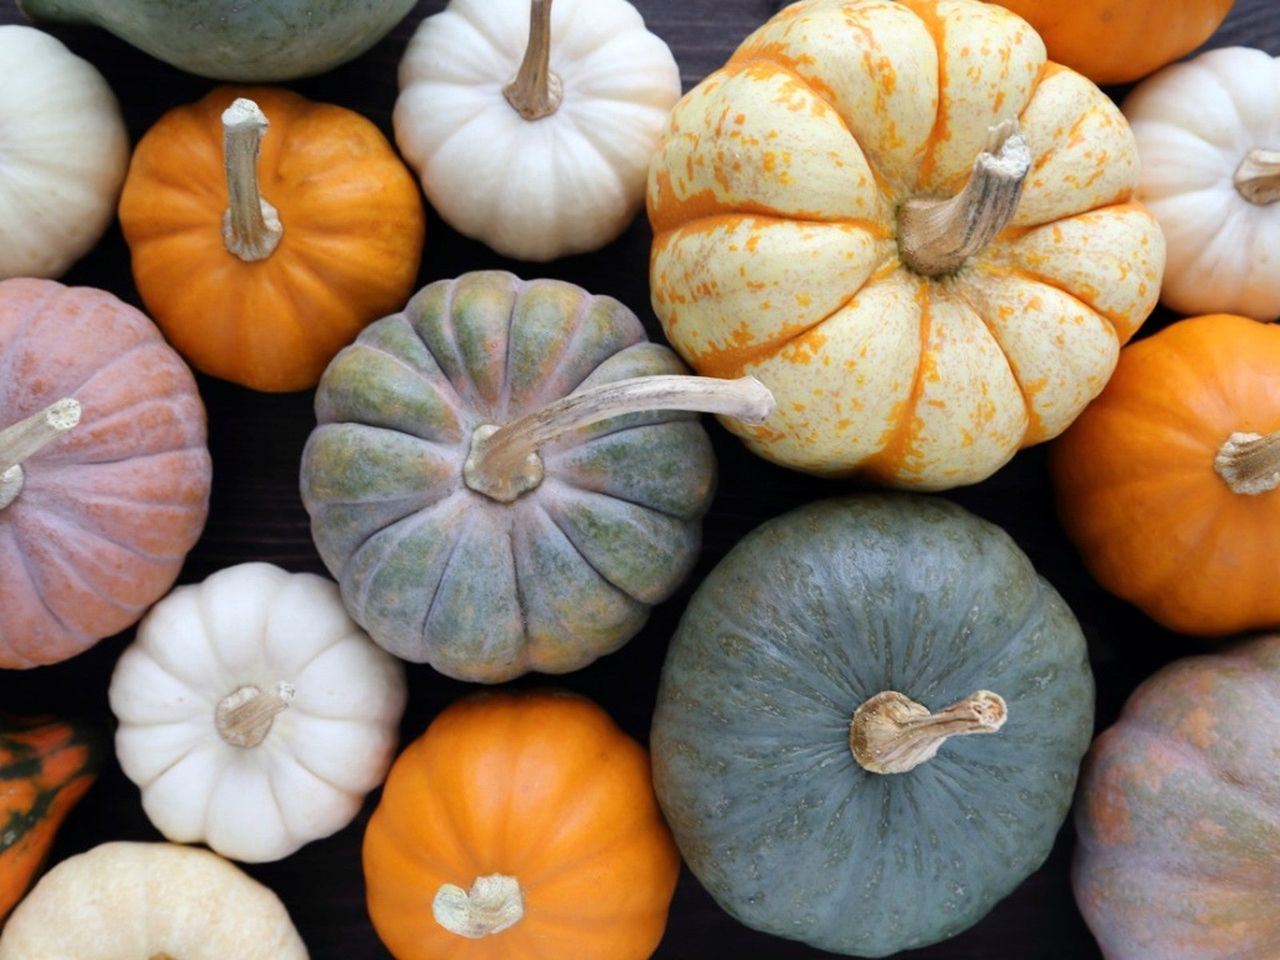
[[251, 226], [536, 92], [26, 438]]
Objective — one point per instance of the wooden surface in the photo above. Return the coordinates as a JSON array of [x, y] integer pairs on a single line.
[[256, 514]]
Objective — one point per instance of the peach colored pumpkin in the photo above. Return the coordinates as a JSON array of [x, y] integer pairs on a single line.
[[97, 521]]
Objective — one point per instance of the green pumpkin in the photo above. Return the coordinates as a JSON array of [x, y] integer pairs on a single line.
[[893, 830]]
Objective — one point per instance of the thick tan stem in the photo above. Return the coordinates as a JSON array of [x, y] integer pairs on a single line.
[[493, 904], [536, 92], [24, 439], [936, 237], [503, 462], [251, 226], [244, 718], [891, 733], [1249, 463], [1257, 179]]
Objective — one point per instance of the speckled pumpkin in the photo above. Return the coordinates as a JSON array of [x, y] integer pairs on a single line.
[[800, 743], [1179, 814], [793, 200]]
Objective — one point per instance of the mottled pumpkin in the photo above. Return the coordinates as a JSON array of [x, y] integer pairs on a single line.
[[1179, 814], [800, 743]]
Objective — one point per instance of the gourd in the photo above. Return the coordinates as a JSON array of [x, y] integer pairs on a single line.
[[1169, 484], [520, 826], [254, 714], [1210, 153], [46, 766], [149, 900], [504, 479], [927, 277], [817, 743], [1179, 812], [261, 252], [104, 472], [232, 40], [531, 129], [62, 157]]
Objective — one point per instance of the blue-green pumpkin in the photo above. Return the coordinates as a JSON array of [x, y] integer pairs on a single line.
[[809, 743], [245, 40]]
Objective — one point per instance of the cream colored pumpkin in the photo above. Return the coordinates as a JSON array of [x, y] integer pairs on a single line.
[[1208, 134], [537, 158], [143, 901], [784, 199], [63, 154], [254, 713]]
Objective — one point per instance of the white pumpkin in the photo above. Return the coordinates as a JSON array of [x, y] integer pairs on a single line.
[[254, 713], [149, 900], [532, 126], [63, 154], [1208, 134]]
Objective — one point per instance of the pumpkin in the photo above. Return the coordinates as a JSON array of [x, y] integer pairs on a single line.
[[149, 900], [1179, 814], [531, 129], [1210, 153], [478, 494], [1115, 41], [234, 40], [1169, 484], [104, 472], [927, 275], [809, 742], [46, 766], [62, 157], [254, 714], [262, 253], [520, 826]]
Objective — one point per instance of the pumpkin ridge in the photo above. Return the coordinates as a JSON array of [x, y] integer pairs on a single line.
[[53, 507], [567, 349], [585, 559], [895, 443], [39, 585], [463, 532], [12, 343], [554, 477], [1024, 273]]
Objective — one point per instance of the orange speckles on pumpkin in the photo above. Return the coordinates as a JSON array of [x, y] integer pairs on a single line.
[[803, 299], [798, 407], [1197, 726], [740, 119]]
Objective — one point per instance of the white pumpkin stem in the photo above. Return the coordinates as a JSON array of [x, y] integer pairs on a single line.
[[1249, 463], [936, 237], [24, 439], [493, 904], [536, 92], [1257, 179], [244, 718], [251, 226], [891, 733], [503, 462]]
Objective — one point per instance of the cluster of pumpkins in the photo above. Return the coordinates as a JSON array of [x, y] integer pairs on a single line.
[[895, 241]]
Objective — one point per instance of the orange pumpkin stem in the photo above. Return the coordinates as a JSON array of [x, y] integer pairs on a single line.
[[936, 237], [493, 904], [25, 438], [503, 462], [244, 718], [891, 733], [1249, 463], [251, 226], [1257, 179], [536, 92]]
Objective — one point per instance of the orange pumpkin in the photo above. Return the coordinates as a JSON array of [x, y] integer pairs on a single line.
[[262, 252], [520, 825], [1170, 482], [1115, 41]]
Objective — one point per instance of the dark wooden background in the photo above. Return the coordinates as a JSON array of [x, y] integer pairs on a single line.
[[256, 514]]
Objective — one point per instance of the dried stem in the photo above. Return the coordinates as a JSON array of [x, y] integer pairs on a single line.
[[26, 438], [1249, 463], [891, 733], [493, 904], [251, 226], [244, 718], [1257, 179], [536, 92]]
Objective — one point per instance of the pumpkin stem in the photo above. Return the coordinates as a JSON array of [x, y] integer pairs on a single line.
[[1257, 179], [536, 92], [493, 904], [251, 227], [24, 439], [936, 237], [244, 718], [503, 462], [1250, 463], [891, 733]]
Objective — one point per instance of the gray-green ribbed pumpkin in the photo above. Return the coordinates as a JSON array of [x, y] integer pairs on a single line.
[[808, 785], [537, 546]]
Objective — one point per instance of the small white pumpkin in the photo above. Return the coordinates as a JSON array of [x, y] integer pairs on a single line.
[[63, 154], [254, 713], [532, 128], [149, 900], [1208, 133]]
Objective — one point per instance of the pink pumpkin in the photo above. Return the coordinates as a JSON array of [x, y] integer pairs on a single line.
[[104, 472]]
